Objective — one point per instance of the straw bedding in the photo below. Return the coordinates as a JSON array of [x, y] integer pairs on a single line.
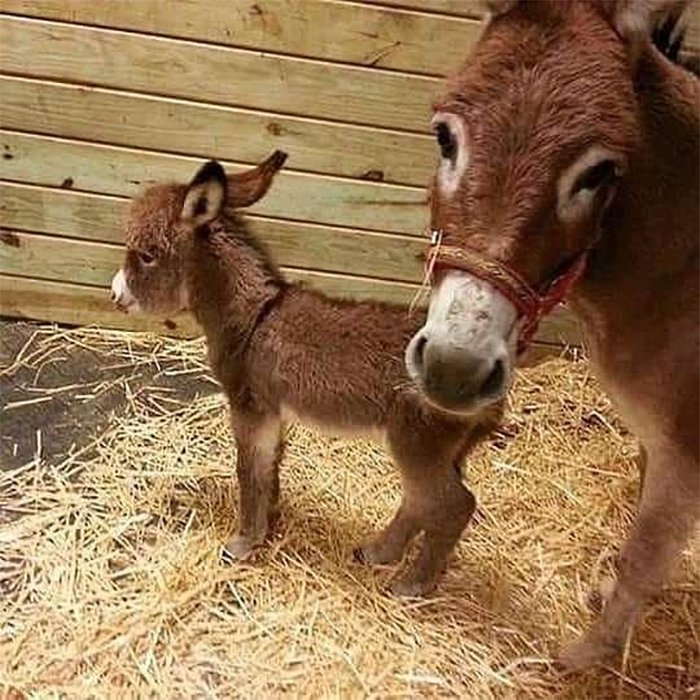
[[113, 585]]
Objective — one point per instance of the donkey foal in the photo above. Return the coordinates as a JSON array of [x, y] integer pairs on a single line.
[[281, 351]]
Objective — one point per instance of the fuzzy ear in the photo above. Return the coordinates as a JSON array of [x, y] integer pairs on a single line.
[[206, 194], [248, 187], [634, 20], [498, 7]]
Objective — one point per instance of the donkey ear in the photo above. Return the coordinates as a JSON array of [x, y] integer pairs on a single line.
[[498, 7], [246, 188], [206, 195], [634, 20]]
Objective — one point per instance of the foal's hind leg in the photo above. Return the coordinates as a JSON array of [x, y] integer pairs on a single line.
[[443, 507], [435, 500], [669, 508], [259, 446]]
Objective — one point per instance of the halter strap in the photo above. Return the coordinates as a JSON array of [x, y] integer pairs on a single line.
[[532, 305]]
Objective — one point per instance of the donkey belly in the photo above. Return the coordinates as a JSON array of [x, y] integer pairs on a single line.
[[335, 425]]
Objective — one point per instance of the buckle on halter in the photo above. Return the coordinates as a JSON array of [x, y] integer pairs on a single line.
[[435, 236]]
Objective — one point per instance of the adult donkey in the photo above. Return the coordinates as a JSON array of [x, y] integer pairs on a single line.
[[569, 167]]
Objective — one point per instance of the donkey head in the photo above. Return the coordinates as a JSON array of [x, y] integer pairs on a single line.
[[165, 222], [534, 134]]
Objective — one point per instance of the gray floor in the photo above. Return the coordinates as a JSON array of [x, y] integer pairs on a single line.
[[64, 421]]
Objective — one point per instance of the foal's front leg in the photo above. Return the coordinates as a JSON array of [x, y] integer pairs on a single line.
[[669, 508], [259, 447]]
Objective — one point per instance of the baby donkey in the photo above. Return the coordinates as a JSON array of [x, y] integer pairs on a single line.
[[281, 351]]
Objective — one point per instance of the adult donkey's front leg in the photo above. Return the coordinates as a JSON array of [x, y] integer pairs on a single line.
[[259, 447], [669, 509]]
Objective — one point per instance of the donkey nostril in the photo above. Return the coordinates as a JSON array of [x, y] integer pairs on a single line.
[[419, 351], [494, 382]]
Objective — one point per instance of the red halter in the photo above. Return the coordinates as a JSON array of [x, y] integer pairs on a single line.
[[532, 305]]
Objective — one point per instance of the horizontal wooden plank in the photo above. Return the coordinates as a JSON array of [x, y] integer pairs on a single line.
[[62, 212], [294, 244], [72, 304], [461, 8], [76, 305], [120, 171], [475, 9], [396, 34], [25, 294], [64, 302], [87, 263], [351, 287], [58, 259], [324, 29], [236, 77], [94, 264], [128, 119]]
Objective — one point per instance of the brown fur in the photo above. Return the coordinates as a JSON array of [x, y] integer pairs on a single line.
[[547, 80], [280, 350]]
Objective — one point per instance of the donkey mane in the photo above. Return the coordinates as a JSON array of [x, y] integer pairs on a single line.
[[234, 226], [668, 36]]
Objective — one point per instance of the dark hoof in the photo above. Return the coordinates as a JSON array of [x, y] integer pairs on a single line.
[[358, 555]]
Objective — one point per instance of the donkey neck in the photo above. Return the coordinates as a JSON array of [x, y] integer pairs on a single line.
[[650, 238], [230, 282]]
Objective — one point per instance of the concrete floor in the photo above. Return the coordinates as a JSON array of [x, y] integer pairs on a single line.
[[63, 421]]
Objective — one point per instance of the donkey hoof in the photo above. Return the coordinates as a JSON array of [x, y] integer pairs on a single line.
[[600, 595], [408, 588], [585, 652], [359, 555], [239, 548], [606, 588], [374, 553]]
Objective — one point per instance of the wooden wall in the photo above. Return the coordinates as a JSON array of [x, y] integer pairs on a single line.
[[99, 97]]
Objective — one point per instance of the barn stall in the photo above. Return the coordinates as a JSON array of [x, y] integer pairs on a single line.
[[113, 577]]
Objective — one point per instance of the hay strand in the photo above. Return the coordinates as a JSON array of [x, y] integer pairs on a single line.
[[112, 584]]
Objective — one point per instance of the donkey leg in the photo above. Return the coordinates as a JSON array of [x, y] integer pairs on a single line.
[[417, 445], [641, 462], [389, 545], [259, 445], [601, 593], [428, 452], [444, 507], [669, 508], [274, 507]]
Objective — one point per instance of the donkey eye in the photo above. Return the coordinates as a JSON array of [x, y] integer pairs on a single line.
[[598, 175], [146, 258], [446, 141]]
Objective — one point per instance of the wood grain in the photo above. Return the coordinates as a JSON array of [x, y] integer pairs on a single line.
[[204, 72], [329, 30], [63, 213], [93, 264], [124, 172], [207, 131]]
